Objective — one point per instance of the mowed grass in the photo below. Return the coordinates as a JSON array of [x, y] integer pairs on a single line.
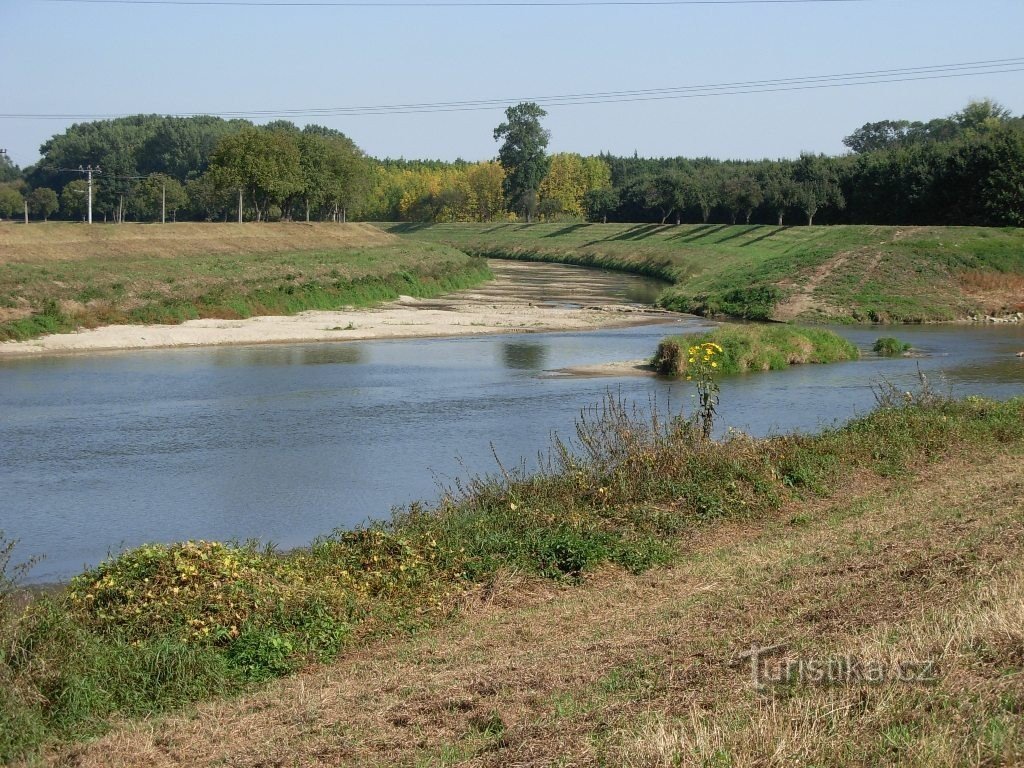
[[756, 348], [162, 627], [825, 273], [75, 276]]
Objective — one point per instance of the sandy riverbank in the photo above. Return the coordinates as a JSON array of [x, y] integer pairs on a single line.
[[523, 298]]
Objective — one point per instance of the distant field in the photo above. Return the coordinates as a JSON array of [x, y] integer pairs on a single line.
[[816, 274], [63, 240], [60, 277]]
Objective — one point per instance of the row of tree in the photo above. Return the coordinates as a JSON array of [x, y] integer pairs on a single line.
[[967, 168]]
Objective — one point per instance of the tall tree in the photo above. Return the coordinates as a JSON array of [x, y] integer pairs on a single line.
[[741, 193], [523, 155], [264, 164], [779, 189], [42, 201], [11, 201], [817, 185], [74, 200]]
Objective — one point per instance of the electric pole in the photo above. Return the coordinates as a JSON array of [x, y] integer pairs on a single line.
[[88, 171], [163, 203], [239, 205]]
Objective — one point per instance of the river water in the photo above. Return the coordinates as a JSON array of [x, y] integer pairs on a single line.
[[282, 443]]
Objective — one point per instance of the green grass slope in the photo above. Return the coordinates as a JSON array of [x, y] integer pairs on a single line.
[[817, 274]]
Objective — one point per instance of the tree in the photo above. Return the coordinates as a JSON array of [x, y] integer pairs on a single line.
[[159, 193], [817, 185], [780, 191], [42, 202], [8, 170], [11, 201], [485, 190], [522, 155], [263, 164], [600, 202], [741, 193], [884, 134], [74, 201], [705, 188]]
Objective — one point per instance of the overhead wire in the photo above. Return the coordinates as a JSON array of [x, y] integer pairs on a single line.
[[736, 88]]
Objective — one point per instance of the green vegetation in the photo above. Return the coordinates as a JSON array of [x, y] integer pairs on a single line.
[[164, 275], [964, 169], [890, 347], [161, 626], [840, 273], [522, 156], [755, 348]]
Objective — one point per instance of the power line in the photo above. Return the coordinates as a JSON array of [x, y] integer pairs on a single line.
[[776, 85], [444, 4]]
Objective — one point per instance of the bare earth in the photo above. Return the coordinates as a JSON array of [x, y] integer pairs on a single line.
[[523, 298]]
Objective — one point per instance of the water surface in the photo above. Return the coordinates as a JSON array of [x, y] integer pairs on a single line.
[[283, 443]]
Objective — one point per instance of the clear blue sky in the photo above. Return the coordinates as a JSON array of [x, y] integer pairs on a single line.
[[89, 59]]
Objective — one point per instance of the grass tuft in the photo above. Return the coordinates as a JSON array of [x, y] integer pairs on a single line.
[[756, 348]]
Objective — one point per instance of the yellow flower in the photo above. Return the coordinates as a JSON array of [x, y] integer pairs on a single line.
[[714, 365]]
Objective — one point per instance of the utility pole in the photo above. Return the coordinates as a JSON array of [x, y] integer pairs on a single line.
[[239, 205], [88, 171], [163, 204]]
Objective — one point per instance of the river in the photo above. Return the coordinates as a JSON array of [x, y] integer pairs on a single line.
[[282, 443]]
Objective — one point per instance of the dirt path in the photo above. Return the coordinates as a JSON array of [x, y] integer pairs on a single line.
[[522, 298], [648, 671]]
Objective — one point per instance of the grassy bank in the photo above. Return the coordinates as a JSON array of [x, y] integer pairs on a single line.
[[163, 626], [756, 348], [836, 273], [51, 283]]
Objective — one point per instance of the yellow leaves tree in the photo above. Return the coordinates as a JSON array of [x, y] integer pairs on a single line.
[[569, 179]]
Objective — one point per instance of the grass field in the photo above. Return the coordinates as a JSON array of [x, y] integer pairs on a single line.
[[834, 273], [60, 277], [896, 537]]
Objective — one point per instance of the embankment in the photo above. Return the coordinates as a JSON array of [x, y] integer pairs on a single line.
[[864, 274], [58, 277]]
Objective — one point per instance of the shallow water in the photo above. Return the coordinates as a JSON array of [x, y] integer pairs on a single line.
[[283, 443]]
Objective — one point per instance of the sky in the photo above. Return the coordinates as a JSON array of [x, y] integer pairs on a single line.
[[113, 59]]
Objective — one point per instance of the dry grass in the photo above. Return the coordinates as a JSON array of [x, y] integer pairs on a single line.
[[998, 292], [61, 241], [646, 671]]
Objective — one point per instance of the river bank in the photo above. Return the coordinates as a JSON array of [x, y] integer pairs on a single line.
[[831, 274], [201, 619], [522, 298]]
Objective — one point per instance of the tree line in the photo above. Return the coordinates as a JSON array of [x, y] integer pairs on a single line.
[[964, 169]]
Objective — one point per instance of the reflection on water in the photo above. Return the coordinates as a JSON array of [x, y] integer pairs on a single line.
[[283, 443], [524, 356], [287, 354]]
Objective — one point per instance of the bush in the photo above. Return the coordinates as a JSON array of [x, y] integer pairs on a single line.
[[887, 346]]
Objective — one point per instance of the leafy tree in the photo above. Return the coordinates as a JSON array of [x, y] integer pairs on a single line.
[[209, 200], [42, 201], [600, 203], [522, 155], [885, 134], [74, 200], [742, 193], [817, 185], [11, 201], [705, 189], [263, 163], [780, 192], [8, 170], [485, 182], [159, 191]]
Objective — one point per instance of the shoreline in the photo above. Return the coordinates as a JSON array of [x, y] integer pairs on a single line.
[[406, 318]]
